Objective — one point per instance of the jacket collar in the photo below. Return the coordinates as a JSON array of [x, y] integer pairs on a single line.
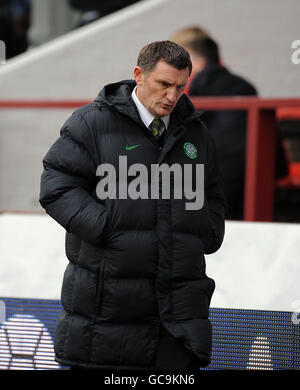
[[118, 96]]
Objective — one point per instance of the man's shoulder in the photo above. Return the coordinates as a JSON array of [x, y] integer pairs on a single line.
[[220, 81], [89, 110], [240, 84], [90, 114], [86, 121]]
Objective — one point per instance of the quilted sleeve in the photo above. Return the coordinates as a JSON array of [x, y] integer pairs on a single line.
[[68, 181]]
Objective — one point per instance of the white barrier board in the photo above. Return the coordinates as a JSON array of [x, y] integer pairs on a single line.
[[257, 267]]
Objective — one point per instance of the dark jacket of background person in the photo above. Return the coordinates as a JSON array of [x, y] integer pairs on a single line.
[[228, 128], [104, 7], [94, 9], [132, 263], [14, 25]]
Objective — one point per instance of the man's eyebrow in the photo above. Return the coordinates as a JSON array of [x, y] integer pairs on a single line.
[[168, 83]]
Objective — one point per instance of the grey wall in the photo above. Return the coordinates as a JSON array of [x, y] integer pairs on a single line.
[[25, 137], [255, 39]]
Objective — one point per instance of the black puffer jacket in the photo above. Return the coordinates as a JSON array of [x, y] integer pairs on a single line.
[[133, 263]]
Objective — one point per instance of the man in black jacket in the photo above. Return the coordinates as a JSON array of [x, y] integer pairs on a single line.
[[228, 127], [135, 292]]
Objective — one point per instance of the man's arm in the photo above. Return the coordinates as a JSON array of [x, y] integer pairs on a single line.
[[67, 183], [216, 201]]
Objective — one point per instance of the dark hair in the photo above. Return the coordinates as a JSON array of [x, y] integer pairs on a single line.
[[166, 51], [206, 48]]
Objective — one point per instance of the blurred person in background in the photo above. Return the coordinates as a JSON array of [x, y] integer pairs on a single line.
[[229, 127], [14, 25], [183, 37], [135, 293], [188, 34], [6, 34], [21, 22], [95, 9]]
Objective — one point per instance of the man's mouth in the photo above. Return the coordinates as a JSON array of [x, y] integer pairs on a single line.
[[167, 106]]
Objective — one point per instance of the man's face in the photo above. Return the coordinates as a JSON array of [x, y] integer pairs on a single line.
[[160, 89]]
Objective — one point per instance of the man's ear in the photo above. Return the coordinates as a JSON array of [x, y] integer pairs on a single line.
[[202, 63], [199, 64], [138, 75]]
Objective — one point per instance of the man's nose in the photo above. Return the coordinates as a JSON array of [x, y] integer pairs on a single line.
[[172, 95]]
